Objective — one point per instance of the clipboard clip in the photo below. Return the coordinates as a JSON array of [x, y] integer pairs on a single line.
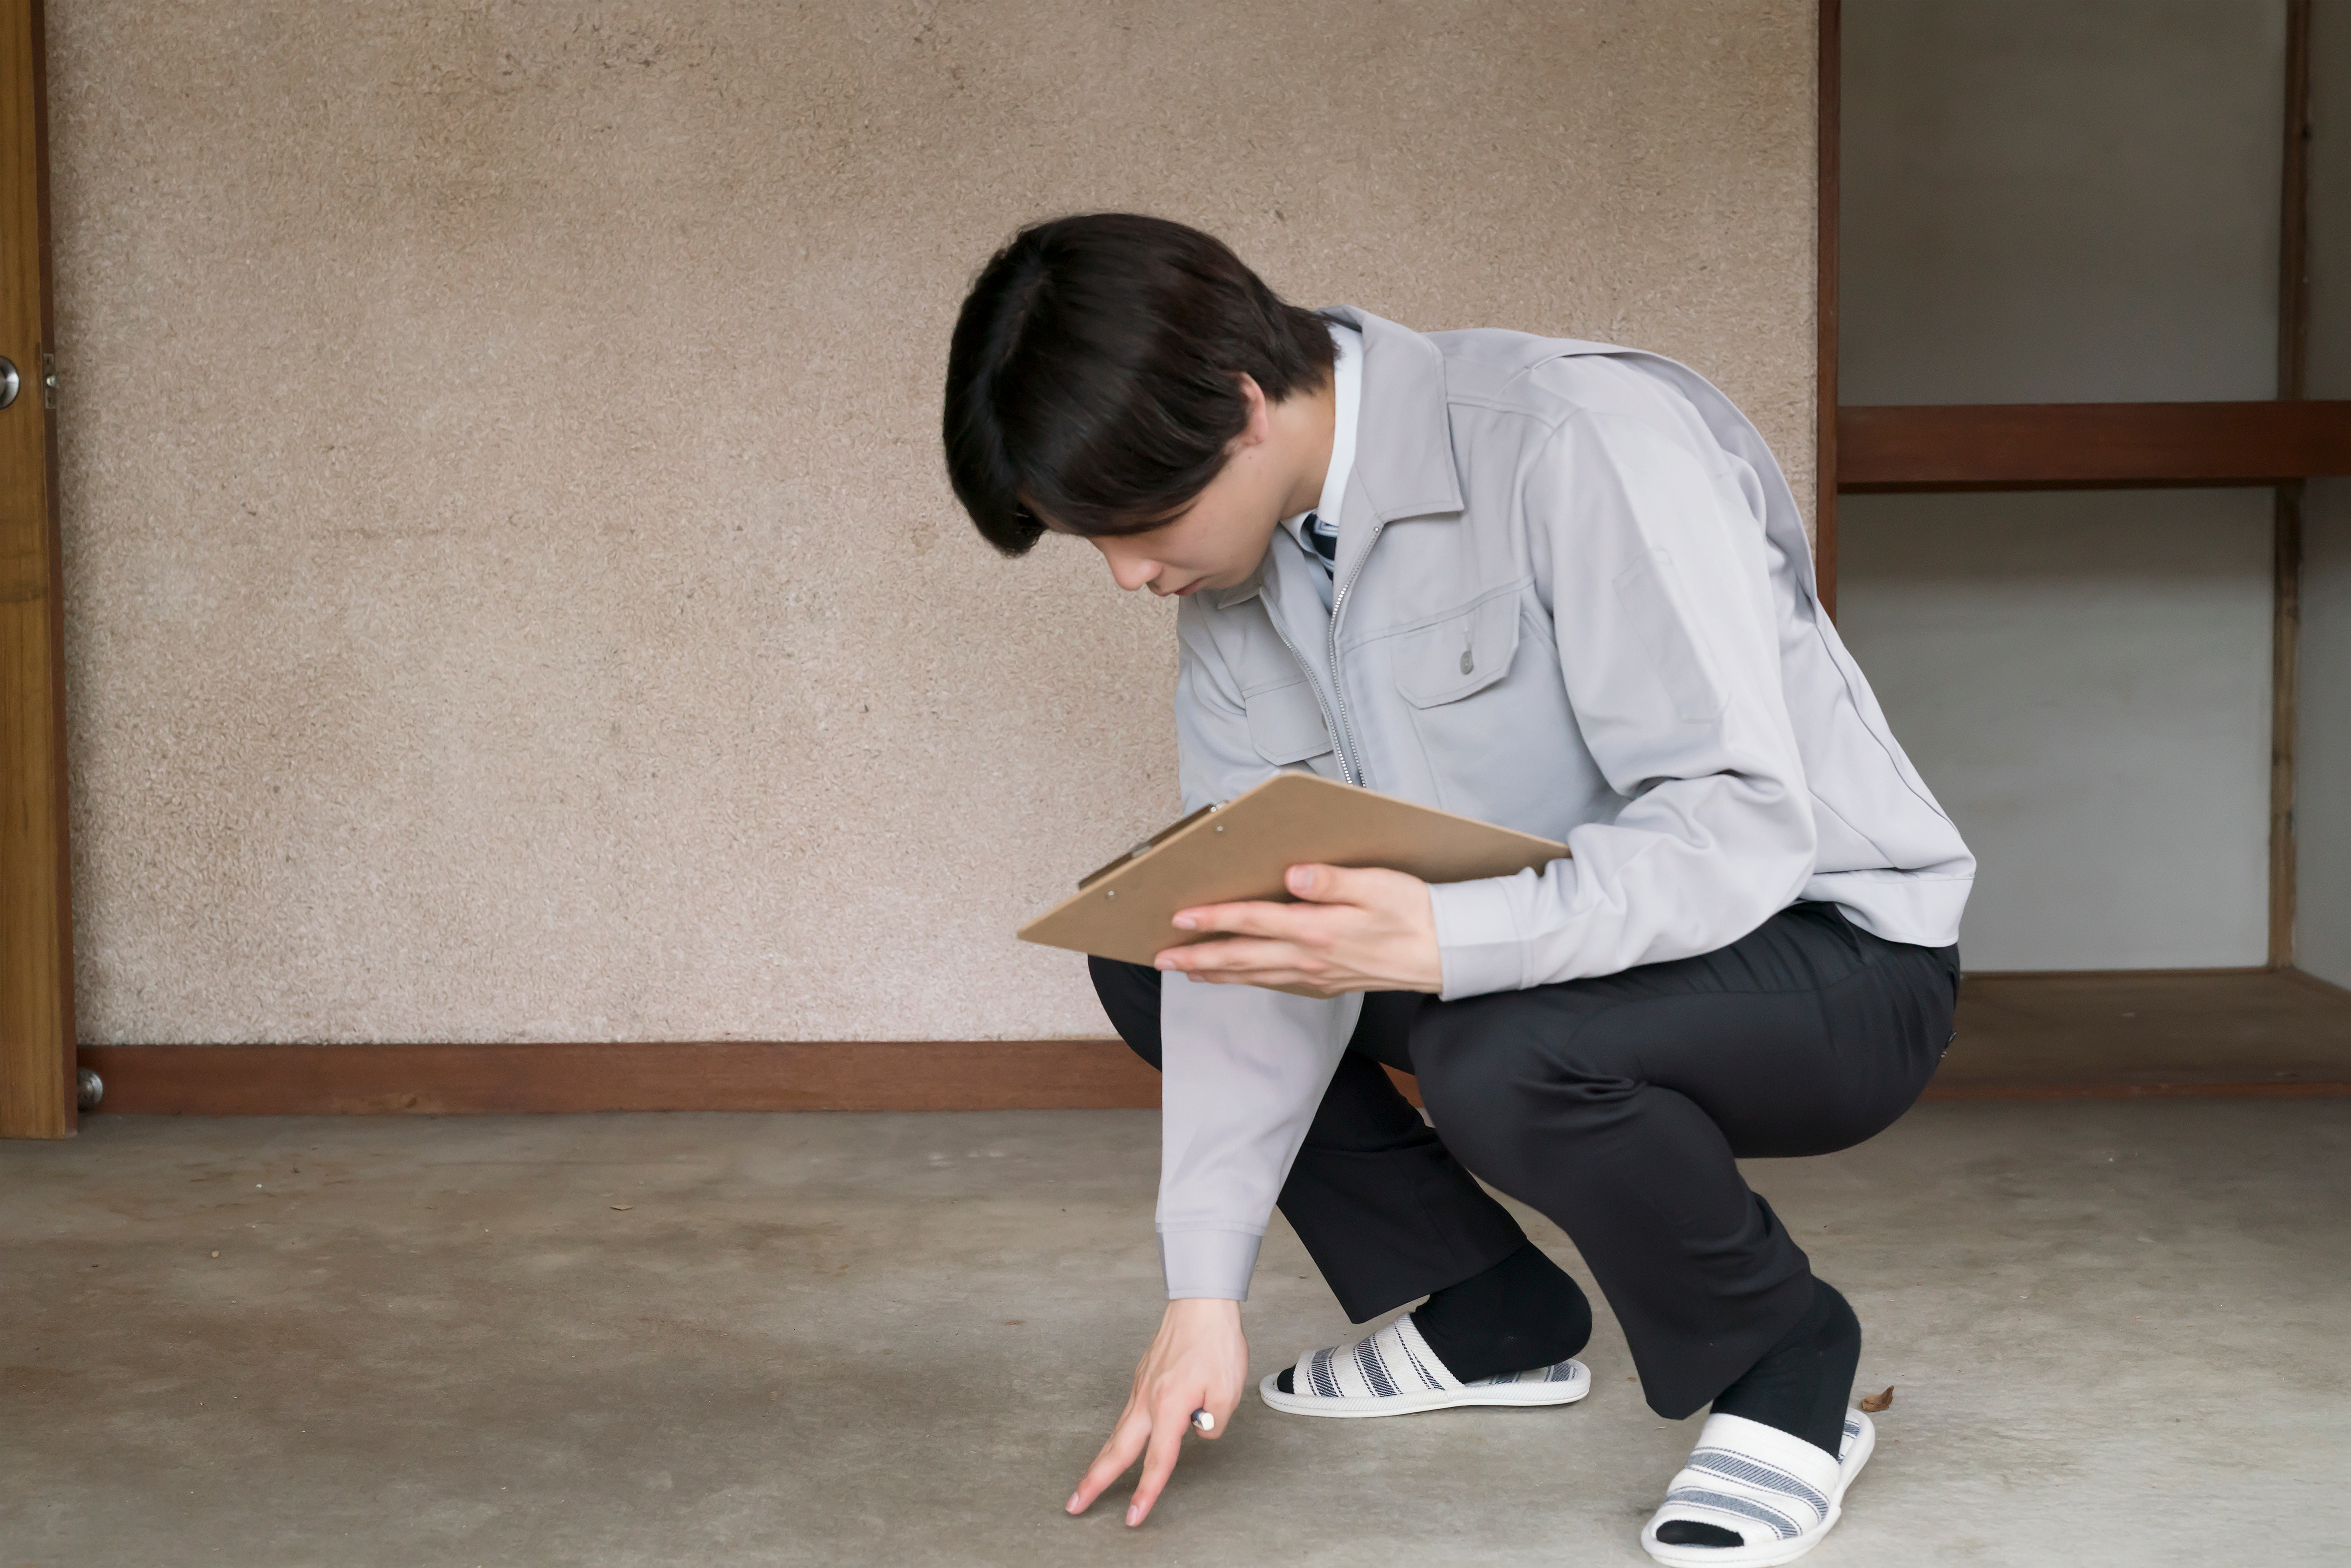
[[1154, 842]]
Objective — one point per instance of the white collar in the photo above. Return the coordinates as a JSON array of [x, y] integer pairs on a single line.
[[1347, 401]]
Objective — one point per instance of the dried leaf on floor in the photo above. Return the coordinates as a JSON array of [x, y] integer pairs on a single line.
[[618, 1206], [1877, 1402]]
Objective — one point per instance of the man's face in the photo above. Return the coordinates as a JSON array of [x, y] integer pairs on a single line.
[[1218, 541]]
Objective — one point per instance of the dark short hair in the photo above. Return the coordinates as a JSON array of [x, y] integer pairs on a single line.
[[1092, 377]]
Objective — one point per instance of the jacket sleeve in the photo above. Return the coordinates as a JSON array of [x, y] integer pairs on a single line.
[[1242, 1069], [1654, 562]]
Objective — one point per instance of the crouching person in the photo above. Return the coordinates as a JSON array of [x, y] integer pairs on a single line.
[[1554, 585]]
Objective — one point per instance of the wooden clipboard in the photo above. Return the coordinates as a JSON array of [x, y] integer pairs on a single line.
[[1242, 849]]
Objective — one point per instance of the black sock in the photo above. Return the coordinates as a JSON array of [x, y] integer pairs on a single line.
[[1523, 1313], [1800, 1386]]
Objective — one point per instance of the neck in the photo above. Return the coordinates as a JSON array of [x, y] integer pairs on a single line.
[[1305, 424]]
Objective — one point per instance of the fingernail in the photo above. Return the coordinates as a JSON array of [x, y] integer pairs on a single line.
[[1163, 962], [1070, 1506], [1186, 923], [1133, 1516]]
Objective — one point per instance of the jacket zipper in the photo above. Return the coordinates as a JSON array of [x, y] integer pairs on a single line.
[[1343, 735], [1346, 767]]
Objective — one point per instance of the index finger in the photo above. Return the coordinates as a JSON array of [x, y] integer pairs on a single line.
[[1126, 1441], [1258, 917], [1168, 1425]]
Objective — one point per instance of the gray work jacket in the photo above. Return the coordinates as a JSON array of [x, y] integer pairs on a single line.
[[1572, 596]]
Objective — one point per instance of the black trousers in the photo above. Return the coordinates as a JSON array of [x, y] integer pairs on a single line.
[[1617, 1107]]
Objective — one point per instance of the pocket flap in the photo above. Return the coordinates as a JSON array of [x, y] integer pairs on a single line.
[[1285, 722], [1459, 655]]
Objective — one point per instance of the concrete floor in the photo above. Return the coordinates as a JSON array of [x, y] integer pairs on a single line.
[[2117, 1330]]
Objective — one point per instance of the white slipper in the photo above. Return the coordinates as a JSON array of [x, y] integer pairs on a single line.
[[1776, 1491], [1394, 1373]]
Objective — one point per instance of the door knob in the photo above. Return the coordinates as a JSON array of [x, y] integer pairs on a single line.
[[9, 382]]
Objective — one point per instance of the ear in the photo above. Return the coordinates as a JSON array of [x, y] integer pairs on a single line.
[[1260, 428]]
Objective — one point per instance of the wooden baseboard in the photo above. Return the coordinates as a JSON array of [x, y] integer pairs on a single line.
[[2133, 1034], [2125, 1034], [2325, 1089], [501, 1080]]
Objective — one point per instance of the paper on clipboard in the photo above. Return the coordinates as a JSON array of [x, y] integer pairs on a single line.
[[1241, 850]]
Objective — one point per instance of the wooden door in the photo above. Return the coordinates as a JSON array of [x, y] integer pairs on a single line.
[[36, 1029]]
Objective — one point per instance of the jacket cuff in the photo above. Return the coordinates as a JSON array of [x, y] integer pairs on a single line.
[[1209, 1262], [1477, 939]]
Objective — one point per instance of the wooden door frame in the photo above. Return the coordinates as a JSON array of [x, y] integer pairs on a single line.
[[2285, 530], [37, 1004]]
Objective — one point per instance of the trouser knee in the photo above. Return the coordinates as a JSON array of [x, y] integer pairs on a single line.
[[1476, 1116], [1502, 1094]]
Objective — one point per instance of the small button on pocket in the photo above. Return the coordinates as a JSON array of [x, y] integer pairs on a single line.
[[1460, 654]]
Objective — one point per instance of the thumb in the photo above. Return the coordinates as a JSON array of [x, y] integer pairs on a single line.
[[1318, 883]]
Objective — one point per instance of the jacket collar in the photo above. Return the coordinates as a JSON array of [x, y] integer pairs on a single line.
[[1404, 439]]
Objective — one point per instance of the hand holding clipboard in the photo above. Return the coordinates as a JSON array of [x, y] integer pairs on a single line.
[[1241, 853]]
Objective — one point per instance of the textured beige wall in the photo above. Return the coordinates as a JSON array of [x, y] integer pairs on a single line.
[[512, 592]]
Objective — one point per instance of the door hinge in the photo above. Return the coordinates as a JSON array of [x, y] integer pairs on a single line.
[[48, 380]]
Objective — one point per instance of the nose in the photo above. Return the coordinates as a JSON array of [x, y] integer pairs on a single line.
[[1128, 569]]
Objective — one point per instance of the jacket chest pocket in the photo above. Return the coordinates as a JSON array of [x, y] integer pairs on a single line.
[[1459, 655], [1285, 722], [1495, 733]]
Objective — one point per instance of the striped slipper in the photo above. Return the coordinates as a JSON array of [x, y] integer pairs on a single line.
[[1394, 1373], [1775, 1491]]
